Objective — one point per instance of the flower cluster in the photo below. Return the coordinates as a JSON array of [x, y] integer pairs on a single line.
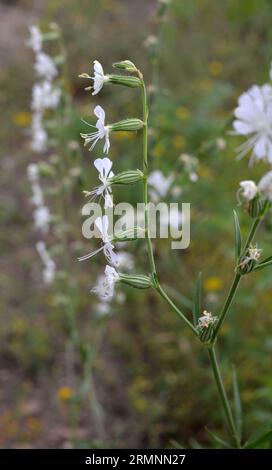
[[105, 285], [206, 320], [45, 95]]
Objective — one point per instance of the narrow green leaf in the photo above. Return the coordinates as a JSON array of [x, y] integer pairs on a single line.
[[221, 442], [266, 260], [260, 266], [237, 404], [238, 240], [258, 439], [197, 300]]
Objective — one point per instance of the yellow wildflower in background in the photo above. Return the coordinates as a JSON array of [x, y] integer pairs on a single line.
[[22, 119], [215, 67], [179, 142], [159, 150], [182, 113], [65, 393], [213, 284]]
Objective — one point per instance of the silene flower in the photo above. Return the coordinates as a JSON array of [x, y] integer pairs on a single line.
[[35, 40], [265, 185], [103, 166], [206, 320], [49, 270], [42, 218], [45, 66], [160, 185], [106, 284], [248, 190], [254, 119], [39, 135], [98, 79], [45, 96], [102, 224], [102, 131]]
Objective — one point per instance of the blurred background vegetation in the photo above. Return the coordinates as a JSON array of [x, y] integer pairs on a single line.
[[140, 379]]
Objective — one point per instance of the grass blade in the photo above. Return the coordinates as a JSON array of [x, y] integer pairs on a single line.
[[197, 299], [237, 404]]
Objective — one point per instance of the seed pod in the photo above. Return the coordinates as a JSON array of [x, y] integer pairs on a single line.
[[131, 82], [139, 281], [127, 125], [256, 206], [126, 177], [125, 65]]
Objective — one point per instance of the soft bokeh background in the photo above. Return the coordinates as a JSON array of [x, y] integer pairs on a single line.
[[137, 377]]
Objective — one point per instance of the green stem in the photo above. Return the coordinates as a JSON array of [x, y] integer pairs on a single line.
[[145, 186], [177, 310], [223, 395], [236, 279]]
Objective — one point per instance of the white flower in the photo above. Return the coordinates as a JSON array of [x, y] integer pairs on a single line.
[[49, 265], [102, 224], [254, 119], [160, 185], [248, 189], [106, 283], [33, 172], [206, 320], [101, 133], [38, 134], [126, 261], [35, 40], [253, 254], [98, 79], [42, 218], [265, 185], [45, 96], [45, 66], [103, 166]]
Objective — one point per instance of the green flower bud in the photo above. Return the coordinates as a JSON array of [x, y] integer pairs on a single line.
[[127, 125], [132, 82], [126, 177], [206, 334], [139, 281], [126, 65], [256, 206]]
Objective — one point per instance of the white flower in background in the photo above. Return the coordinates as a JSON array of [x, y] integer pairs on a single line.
[[44, 96], [206, 320], [103, 166], [254, 119], [125, 261], [33, 172], [176, 191], [45, 66], [35, 40], [193, 176], [98, 79], [265, 185], [49, 265], [42, 218], [102, 224], [103, 308], [248, 190], [101, 133], [106, 283], [39, 135], [160, 185]]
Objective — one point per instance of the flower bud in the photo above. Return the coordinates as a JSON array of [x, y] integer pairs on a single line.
[[132, 82], [256, 206], [127, 125], [126, 177], [206, 335], [126, 65], [249, 260], [139, 281]]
